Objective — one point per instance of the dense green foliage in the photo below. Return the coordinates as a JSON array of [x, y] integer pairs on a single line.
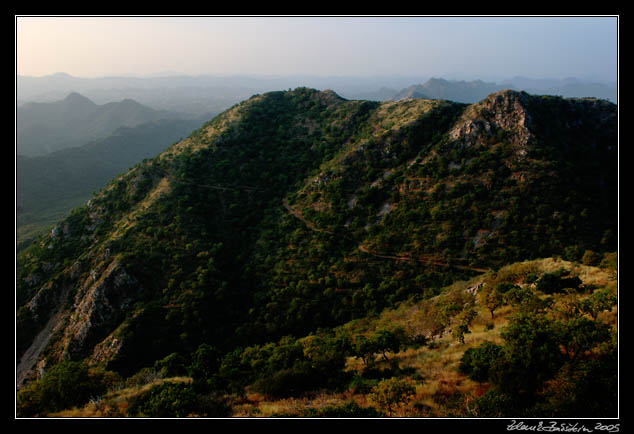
[[550, 360], [66, 385], [169, 400], [296, 212]]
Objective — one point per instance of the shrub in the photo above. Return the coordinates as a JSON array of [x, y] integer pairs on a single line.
[[166, 400], [171, 366], [610, 260], [496, 404], [67, 384], [362, 385], [591, 258], [551, 283], [287, 382], [477, 362]]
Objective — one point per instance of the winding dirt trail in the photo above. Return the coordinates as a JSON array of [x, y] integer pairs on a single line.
[[427, 260]]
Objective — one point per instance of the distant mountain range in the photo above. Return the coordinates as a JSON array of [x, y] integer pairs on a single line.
[[473, 91], [42, 128], [209, 95], [68, 149], [458, 91]]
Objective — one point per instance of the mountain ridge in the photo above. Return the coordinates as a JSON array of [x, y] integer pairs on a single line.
[[459, 91], [179, 243]]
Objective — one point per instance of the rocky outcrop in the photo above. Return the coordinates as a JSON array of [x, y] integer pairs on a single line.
[[501, 115], [98, 308], [106, 350]]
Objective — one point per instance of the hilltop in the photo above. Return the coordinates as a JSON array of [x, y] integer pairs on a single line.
[[294, 213], [45, 127]]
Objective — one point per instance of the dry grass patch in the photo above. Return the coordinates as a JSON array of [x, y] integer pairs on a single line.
[[257, 405]]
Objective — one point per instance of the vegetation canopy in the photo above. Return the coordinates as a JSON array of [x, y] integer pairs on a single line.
[[303, 254]]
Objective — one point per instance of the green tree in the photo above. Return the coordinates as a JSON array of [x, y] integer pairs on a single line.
[[389, 341], [465, 319], [460, 331], [493, 300], [580, 335], [204, 367], [587, 388], [365, 349], [531, 354], [391, 393]]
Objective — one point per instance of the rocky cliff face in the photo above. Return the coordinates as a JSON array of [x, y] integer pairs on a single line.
[[98, 307], [74, 308]]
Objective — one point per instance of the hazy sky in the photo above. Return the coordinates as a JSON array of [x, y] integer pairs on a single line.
[[448, 47]]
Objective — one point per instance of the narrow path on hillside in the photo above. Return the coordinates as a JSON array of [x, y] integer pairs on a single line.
[[427, 260]]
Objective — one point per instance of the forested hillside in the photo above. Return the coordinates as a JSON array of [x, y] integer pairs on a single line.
[[245, 257], [49, 186]]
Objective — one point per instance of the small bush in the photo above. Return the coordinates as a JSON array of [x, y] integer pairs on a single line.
[[477, 362], [173, 365], [610, 261], [495, 404], [287, 382], [591, 258], [362, 385], [166, 400], [551, 283]]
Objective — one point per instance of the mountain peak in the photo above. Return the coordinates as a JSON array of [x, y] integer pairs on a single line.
[[77, 98], [129, 102], [504, 110]]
